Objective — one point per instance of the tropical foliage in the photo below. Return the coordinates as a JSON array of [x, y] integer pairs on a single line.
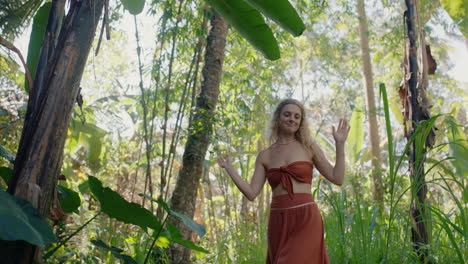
[[127, 133]]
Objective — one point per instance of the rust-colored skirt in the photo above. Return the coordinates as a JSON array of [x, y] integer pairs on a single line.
[[295, 235]]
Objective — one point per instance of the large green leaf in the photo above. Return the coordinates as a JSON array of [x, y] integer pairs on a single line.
[[356, 135], [458, 146], [89, 135], [134, 6], [117, 207], [6, 174], [189, 244], [87, 128], [19, 220], [196, 227], [176, 237], [458, 11], [6, 154], [94, 152], [250, 24], [35, 40], [325, 142], [83, 187], [69, 199], [282, 12], [73, 141], [116, 252], [199, 229]]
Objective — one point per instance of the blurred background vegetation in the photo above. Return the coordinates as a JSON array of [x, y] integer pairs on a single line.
[[139, 96]]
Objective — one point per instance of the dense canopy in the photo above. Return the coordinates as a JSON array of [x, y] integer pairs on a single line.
[[110, 146]]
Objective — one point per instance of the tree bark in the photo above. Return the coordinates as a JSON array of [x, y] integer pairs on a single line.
[[200, 133], [370, 99], [40, 153], [416, 106]]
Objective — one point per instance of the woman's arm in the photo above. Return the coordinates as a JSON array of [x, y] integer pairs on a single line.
[[252, 189], [334, 174]]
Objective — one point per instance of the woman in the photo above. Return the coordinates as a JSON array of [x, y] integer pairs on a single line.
[[295, 227]]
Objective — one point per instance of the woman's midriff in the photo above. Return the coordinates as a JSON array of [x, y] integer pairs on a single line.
[[285, 202], [298, 187]]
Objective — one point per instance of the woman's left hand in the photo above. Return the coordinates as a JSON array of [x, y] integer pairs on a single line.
[[341, 133]]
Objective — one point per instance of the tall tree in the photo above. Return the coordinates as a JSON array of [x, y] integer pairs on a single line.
[[56, 86], [200, 132], [370, 99], [416, 105]]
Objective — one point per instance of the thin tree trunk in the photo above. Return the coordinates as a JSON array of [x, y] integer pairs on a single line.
[[200, 133], [370, 99], [40, 153], [416, 110]]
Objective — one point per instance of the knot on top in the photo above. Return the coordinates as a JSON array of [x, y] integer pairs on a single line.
[[299, 170], [286, 175]]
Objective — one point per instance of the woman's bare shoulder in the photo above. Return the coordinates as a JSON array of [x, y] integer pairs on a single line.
[[264, 155]]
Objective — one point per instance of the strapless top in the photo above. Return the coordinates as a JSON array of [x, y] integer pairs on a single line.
[[299, 170]]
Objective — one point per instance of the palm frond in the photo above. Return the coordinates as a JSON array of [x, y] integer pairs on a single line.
[[15, 15]]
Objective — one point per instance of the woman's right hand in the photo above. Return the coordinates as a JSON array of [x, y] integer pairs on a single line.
[[341, 133], [224, 161]]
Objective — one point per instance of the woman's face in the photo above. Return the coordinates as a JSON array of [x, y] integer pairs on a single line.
[[290, 118]]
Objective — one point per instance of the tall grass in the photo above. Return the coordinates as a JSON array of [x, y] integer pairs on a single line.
[[242, 241], [359, 231], [352, 227]]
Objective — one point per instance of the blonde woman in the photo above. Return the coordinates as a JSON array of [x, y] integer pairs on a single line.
[[295, 227]]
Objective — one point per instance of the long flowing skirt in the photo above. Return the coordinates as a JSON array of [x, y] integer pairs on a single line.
[[295, 235]]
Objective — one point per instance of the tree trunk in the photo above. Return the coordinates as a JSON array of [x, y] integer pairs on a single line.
[[39, 157], [416, 106], [200, 133], [370, 99]]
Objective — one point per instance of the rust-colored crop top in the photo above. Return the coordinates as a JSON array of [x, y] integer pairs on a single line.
[[299, 170]]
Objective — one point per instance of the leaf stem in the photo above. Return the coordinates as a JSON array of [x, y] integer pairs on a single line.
[[155, 239], [48, 254]]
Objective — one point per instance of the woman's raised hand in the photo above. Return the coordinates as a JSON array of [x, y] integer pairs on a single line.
[[224, 161], [341, 133]]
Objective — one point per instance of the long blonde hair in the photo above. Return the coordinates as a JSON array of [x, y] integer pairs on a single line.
[[302, 134]]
